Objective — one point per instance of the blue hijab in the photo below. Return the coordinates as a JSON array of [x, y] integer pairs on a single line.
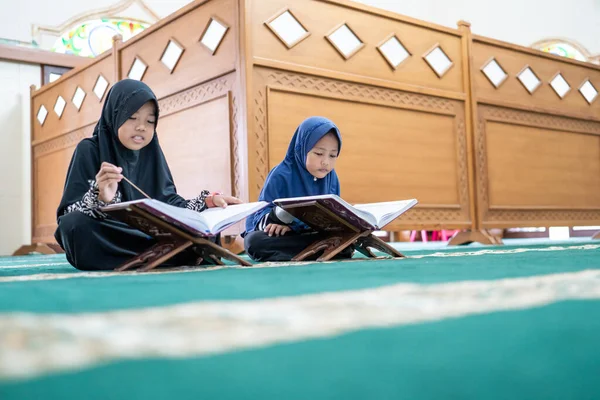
[[290, 178]]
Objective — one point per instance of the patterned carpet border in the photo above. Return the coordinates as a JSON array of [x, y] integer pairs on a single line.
[[52, 276]]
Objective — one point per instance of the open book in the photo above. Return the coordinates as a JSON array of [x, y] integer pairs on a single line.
[[331, 212], [206, 223]]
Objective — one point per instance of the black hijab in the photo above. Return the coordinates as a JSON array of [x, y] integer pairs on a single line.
[[147, 168]]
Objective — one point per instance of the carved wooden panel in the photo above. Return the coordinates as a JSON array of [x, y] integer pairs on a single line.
[[387, 153], [202, 118], [71, 119], [199, 155], [396, 144], [196, 95], [548, 121], [197, 64], [536, 170], [49, 180], [320, 18], [545, 67], [63, 142]]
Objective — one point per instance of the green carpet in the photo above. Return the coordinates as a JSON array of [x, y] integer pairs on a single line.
[[516, 321]]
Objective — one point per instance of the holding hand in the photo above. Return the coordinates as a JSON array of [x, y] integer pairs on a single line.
[[108, 179], [221, 200], [277, 230]]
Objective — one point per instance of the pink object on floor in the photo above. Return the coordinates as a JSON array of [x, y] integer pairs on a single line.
[[444, 235]]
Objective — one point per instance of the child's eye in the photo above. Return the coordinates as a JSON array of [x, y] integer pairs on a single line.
[[319, 154], [333, 155], [133, 118], [152, 122]]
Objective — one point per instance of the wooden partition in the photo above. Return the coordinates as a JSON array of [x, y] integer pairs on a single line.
[[54, 141], [404, 127], [198, 101], [475, 156], [537, 154]]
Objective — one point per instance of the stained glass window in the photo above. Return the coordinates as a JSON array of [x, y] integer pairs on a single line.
[[95, 37], [563, 49]]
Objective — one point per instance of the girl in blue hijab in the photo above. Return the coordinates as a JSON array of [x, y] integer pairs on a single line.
[[307, 170]]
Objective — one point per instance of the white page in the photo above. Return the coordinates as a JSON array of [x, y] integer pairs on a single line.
[[212, 220], [217, 218], [209, 221], [385, 212], [189, 217], [376, 214]]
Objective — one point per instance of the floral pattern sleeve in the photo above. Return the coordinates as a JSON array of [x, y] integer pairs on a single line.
[[90, 203], [198, 203]]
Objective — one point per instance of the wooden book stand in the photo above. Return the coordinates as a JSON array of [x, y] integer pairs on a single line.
[[171, 240], [341, 229]]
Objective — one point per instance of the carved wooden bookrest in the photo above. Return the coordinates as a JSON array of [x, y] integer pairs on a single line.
[[337, 233], [171, 241]]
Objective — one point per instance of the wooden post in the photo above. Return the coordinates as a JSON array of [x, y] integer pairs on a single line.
[[245, 68], [117, 41], [475, 234]]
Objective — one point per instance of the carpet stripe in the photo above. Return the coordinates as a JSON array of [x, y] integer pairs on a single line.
[[34, 344]]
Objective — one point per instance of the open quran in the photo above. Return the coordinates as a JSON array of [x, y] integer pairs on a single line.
[[206, 223], [344, 224], [330, 212], [180, 230]]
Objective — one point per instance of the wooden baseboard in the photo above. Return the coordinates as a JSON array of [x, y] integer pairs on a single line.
[[479, 236]]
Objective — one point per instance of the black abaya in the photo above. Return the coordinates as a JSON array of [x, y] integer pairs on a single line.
[[90, 239]]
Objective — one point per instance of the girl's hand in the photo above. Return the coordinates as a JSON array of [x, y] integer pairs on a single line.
[[108, 179], [220, 200], [277, 230]]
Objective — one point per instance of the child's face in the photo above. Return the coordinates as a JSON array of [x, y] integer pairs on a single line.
[[321, 158], [138, 130]]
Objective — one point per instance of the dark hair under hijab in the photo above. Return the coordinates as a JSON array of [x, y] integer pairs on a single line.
[[147, 168]]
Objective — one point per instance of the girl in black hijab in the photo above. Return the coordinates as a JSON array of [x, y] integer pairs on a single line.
[[124, 143]]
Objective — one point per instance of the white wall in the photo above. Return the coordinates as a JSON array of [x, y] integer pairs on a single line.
[[521, 22], [15, 159]]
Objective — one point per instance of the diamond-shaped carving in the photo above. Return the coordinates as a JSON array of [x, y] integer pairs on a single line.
[[59, 106], [172, 54], [588, 91], [345, 41], [494, 72], [78, 98], [213, 34], [560, 85], [100, 87], [137, 70], [393, 51], [42, 114], [439, 62], [529, 79], [53, 77], [287, 28]]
